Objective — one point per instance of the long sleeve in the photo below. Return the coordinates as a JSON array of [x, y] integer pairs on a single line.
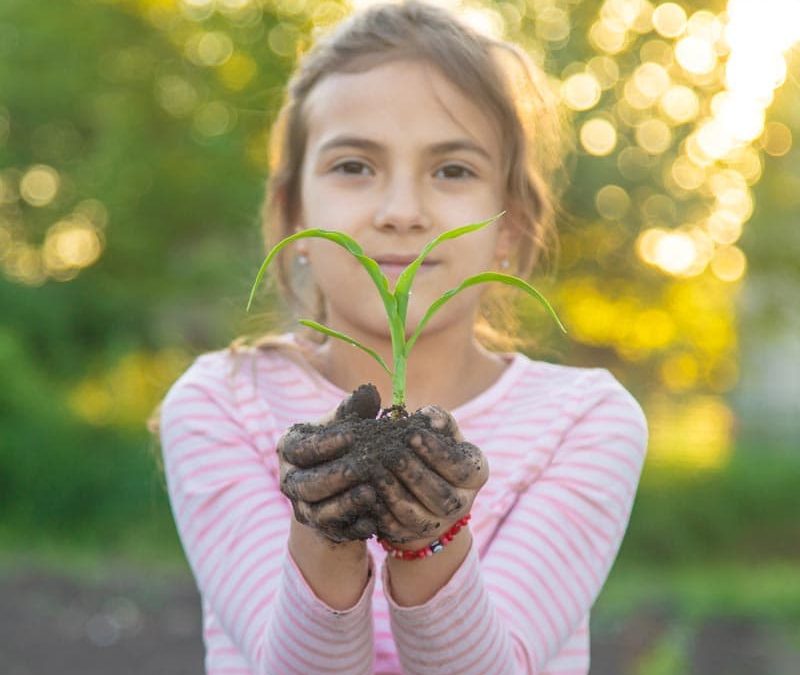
[[513, 610], [233, 522]]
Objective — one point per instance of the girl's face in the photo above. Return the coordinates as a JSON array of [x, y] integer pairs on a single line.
[[395, 156]]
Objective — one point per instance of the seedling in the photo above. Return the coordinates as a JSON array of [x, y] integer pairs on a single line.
[[396, 300]]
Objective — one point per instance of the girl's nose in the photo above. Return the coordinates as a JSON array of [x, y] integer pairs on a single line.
[[402, 207]]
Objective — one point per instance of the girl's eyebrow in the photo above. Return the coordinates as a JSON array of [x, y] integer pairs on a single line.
[[463, 144]]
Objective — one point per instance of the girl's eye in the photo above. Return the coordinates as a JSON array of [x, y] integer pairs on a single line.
[[455, 171], [352, 167]]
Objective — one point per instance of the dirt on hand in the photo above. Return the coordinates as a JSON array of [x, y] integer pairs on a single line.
[[380, 449]]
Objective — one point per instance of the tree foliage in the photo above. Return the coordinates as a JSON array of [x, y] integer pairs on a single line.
[[133, 154]]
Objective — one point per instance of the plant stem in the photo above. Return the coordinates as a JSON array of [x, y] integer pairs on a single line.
[[399, 381], [399, 359]]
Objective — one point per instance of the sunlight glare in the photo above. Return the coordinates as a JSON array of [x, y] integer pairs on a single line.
[[598, 137], [669, 19], [729, 263], [675, 252], [581, 91]]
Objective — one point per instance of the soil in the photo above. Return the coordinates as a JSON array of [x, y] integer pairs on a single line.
[[379, 450], [136, 623], [140, 622], [379, 436]]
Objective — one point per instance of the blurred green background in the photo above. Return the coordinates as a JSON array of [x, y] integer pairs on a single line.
[[133, 155]]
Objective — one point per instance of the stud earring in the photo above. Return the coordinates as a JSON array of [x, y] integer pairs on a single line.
[[504, 264], [302, 259]]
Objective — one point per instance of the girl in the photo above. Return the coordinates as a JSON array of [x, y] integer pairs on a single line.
[[400, 125]]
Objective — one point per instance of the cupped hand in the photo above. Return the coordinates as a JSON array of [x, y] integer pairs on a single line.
[[327, 487], [424, 491]]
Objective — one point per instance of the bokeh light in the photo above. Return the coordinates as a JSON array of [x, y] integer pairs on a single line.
[[680, 104], [777, 139], [71, 245], [693, 432], [209, 48], [675, 252], [176, 95], [598, 136], [653, 136], [238, 71], [605, 70], [39, 185], [669, 19], [651, 79], [612, 202], [214, 119], [552, 24], [724, 227], [695, 55], [729, 263], [581, 91]]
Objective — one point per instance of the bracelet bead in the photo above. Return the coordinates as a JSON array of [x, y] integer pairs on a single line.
[[435, 546]]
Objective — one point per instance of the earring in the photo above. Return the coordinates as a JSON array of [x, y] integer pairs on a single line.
[[504, 264], [302, 259]]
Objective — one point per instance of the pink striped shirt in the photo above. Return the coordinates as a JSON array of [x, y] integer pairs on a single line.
[[565, 447]]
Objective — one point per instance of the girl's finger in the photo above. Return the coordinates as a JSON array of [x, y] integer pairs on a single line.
[[403, 505], [345, 516], [364, 528], [442, 421], [321, 481], [433, 491], [390, 528], [307, 445], [461, 464]]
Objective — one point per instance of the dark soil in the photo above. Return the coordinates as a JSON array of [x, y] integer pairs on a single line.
[[143, 623], [132, 624], [379, 452], [378, 441]]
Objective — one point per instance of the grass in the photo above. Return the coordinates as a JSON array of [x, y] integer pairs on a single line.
[[746, 511], [769, 592], [150, 546]]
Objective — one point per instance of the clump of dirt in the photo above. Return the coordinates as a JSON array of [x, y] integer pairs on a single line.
[[379, 449]]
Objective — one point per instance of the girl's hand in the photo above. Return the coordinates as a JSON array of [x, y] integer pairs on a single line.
[[427, 489], [327, 488]]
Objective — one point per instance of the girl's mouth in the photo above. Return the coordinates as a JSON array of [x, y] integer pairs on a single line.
[[392, 266]]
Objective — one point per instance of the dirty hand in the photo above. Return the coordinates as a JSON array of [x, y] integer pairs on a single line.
[[327, 488], [424, 491]]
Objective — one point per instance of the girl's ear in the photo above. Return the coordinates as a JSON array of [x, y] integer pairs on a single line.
[[300, 246]]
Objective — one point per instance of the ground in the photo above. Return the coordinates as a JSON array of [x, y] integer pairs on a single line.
[[131, 622]]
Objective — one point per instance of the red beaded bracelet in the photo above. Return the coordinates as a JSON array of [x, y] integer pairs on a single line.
[[434, 547]]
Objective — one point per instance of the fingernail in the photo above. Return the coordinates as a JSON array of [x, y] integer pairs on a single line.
[[438, 417]]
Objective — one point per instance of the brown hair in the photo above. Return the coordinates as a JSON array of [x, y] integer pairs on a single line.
[[498, 74]]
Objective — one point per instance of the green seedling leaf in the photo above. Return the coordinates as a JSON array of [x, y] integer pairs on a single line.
[[402, 287], [395, 300], [474, 281], [346, 242], [346, 338]]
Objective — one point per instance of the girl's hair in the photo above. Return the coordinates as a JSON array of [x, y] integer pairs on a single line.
[[499, 75]]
